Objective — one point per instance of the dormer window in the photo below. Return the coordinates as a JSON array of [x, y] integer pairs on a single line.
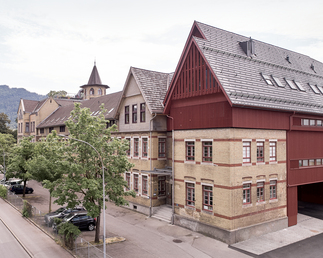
[[248, 47]]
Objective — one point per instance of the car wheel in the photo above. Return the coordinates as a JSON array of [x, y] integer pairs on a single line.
[[28, 192], [90, 227]]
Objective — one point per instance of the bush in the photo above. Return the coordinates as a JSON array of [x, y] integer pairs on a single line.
[[69, 232], [3, 191], [26, 211]]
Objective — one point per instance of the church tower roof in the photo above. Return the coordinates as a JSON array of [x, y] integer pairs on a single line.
[[95, 79]]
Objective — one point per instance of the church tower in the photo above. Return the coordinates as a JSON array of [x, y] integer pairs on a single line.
[[94, 88]]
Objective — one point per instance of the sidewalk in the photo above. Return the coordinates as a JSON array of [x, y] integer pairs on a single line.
[[306, 227], [38, 244]]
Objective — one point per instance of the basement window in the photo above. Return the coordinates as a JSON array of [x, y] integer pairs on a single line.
[[267, 79], [291, 84]]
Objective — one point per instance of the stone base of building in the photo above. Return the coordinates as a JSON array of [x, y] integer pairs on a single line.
[[138, 207], [231, 236]]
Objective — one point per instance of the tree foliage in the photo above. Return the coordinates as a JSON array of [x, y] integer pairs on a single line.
[[19, 157], [48, 161], [57, 94], [7, 141], [83, 182]]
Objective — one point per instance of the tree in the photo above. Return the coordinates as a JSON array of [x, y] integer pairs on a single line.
[[48, 162], [7, 142], [83, 182], [4, 123], [18, 160], [57, 94]]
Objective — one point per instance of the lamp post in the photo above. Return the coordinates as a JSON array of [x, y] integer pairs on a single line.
[[4, 163], [104, 244]]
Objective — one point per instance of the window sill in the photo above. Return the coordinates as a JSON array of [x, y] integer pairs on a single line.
[[261, 203], [145, 196], [207, 163], [247, 205], [246, 164], [135, 157], [190, 207], [190, 162], [261, 163], [273, 162], [208, 212], [161, 158], [273, 200]]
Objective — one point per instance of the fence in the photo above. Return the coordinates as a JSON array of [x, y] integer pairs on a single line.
[[82, 248]]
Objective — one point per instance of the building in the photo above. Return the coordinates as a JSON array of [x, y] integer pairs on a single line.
[[231, 140], [247, 123]]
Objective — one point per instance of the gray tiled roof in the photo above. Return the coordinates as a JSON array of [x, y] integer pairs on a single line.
[[241, 77], [153, 86], [60, 115]]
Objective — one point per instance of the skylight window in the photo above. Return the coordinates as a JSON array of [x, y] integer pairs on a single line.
[[320, 89], [291, 84], [314, 88], [299, 85], [267, 79], [278, 82]]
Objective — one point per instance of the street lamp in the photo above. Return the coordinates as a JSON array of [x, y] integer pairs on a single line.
[[104, 244], [4, 163]]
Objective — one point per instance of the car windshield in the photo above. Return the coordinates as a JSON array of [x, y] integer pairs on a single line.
[[59, 210]]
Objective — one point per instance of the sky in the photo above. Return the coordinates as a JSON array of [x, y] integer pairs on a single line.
[[52, 45]]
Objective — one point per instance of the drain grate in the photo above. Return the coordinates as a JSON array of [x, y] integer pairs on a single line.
[[177, 241]]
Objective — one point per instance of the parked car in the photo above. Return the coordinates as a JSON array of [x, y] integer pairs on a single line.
[[18, 189], [12, 182], [79, 219], [2, 181], [60, 213]]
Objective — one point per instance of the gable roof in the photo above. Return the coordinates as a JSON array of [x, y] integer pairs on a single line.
[[241, 75], [61, 114], [153, 86]]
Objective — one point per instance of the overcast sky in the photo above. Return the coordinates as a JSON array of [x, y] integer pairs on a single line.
[[51, 45]]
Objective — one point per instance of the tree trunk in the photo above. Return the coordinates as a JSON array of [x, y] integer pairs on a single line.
[[97, 229], [50, 202], [24, 190]]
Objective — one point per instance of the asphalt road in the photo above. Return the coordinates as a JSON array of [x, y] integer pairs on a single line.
[[9, 246]]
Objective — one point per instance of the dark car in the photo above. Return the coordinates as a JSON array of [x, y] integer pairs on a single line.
[[79, 219], [60, 213], [18, 189]]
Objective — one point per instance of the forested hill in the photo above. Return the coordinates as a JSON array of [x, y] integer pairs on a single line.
[[9, 101]]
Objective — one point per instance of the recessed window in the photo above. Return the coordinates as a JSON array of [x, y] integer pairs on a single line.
[[128, 180], [305, 163], [129, 149], [272, 151], [278, 82], [50, 129], [207, 151], [318, 162], [246, 152], [305, 122], [311, 162], [246, 193], [135, 182], [312, 122], [260, 192], [291, 84], [299, 85], [319, 122], [144, 142], [161, 147], [260, 151], [190, 151], [136, 147], [314, 88], [62, 128], [267, 79], [162, 186], [207, 198], [144, 185], [126, 114], [41, 130], [273, 189], [190, 194], [142, 112], [134, 113]]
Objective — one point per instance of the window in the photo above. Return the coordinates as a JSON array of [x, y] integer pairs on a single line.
[[305, 163], [110, 123], [161, 147], [135, 181], [50, 129], [207, 198], [246, 193], [99, 91], [126, 114], [34, 127], [128, 180], [142, 112], [299, 85], [314, 88], [20, 114], [273, 189], [129, 149], [144, 185], [207, 151], [267, 79], [246, 152], [91, 91], [291, 84], [278, 82], [62, 128], [305, 121], [312, 122], [27, 127], [144, 142], [319, 122], [41, 130], [190, 194], [272, 151], [318, 162], [190, 151], [260, 151], [260, 192], [136, 147], [134, 113], [162, 185]]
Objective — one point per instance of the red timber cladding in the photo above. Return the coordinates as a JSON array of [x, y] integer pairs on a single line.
[[304, 145]]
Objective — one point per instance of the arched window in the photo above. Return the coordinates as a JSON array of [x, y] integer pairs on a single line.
[[99, 91], [91, 91]]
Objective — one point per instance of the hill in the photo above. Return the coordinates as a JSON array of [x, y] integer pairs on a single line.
[[9, 101]]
